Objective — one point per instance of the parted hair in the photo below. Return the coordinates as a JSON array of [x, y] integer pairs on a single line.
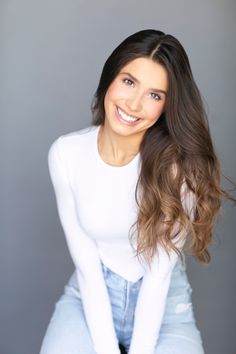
[[177, 150]]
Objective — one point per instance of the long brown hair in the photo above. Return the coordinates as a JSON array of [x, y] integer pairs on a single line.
[[177, 153]]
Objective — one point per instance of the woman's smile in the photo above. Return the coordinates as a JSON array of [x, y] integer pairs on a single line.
[[125, 118]]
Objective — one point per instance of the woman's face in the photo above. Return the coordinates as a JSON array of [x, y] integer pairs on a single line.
[[136, 98]]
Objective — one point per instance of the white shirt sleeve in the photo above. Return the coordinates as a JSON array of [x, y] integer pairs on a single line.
[[152, 295], [84, 253]]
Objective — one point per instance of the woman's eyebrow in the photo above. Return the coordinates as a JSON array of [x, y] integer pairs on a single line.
[[136, 80]]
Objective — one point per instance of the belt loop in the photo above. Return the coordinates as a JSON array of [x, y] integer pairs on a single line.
[[127, 295]]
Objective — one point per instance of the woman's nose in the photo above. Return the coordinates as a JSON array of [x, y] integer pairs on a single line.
[[134, 103]]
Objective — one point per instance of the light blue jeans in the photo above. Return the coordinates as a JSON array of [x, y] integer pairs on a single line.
[[68, 333]]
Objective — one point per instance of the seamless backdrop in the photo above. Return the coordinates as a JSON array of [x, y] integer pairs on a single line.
[[52, 53]]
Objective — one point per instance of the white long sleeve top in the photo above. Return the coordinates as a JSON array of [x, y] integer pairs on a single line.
[[96, 206]]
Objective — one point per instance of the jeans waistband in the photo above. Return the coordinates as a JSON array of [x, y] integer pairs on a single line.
[[109, 273], [181, 263]]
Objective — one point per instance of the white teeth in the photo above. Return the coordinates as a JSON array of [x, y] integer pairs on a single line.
[[126, 117]]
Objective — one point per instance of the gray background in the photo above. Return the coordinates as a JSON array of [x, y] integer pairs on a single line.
[[52, 53]]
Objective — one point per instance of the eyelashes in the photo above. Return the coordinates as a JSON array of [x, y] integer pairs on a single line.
[[155, 96], [130, 82]]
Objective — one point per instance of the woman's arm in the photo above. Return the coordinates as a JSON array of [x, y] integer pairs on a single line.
[[86, 259], [151, 303], [152, 296]]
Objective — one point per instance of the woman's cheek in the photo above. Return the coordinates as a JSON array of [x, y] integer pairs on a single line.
[[115, 90], [154, 110]]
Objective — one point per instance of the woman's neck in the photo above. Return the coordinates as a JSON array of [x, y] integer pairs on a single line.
[[115, 149]]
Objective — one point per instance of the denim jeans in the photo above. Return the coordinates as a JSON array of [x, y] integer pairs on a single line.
[[68, 333]]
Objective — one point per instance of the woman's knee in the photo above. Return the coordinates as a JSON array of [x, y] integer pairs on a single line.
[[174, 344], [67, 332]]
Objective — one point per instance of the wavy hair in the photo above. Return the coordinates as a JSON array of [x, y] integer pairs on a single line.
[[176, 153]]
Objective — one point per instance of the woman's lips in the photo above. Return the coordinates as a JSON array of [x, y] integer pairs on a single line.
[[130, 123]]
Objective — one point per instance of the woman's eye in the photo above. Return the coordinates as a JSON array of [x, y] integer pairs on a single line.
[[128, 82], [156, 96]]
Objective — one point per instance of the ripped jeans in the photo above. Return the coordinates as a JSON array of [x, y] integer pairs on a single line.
[[67, 332]]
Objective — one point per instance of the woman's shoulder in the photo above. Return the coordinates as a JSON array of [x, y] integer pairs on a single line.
[[73, 146], [72, 141], [76, 137]]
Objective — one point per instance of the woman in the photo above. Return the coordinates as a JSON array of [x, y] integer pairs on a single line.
[[145, 164]]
